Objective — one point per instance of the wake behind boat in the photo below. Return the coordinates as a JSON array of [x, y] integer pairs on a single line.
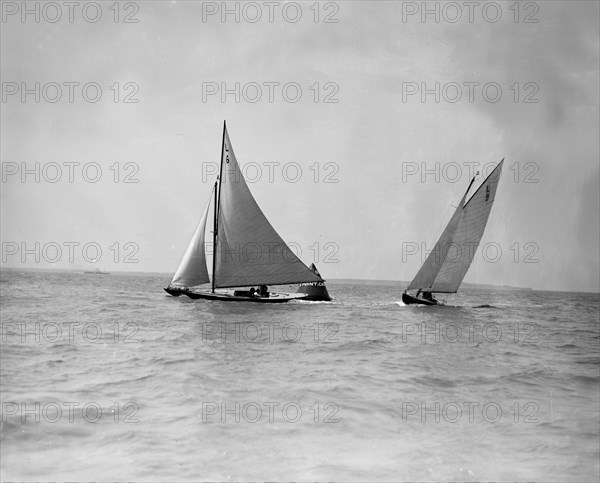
[[441, 272], [248, 251]]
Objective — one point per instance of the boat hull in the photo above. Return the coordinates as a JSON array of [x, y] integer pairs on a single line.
[[231, 296], [174, 291], [314, 293], [410, 300]]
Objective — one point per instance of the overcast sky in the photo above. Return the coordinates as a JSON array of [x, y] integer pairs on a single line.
[[374, 59]]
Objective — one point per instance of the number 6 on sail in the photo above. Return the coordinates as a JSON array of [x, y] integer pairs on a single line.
[[248, 251]]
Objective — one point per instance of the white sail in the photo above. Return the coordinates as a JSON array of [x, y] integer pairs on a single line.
[[249, 250], [468, 234], [430, 269], [447, 265], [192, 268]]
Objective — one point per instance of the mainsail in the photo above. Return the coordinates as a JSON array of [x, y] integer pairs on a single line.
[[248, 249], [192, 268], [430, 269], [448, 263]]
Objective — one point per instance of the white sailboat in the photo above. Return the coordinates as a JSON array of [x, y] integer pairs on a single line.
[[448, 263], [247, 250]]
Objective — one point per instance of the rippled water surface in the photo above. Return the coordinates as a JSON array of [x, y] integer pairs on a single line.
[[105, 377]]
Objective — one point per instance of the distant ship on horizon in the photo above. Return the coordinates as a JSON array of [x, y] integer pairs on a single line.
[[97, 272]]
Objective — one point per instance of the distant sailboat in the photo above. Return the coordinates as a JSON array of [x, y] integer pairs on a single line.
[[97, 272], [247, 250], [442, 272]]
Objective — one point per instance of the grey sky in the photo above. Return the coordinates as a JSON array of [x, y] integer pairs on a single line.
[[374, 136]]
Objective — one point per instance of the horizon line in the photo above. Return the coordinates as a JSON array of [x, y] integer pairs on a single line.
[[387, 281]]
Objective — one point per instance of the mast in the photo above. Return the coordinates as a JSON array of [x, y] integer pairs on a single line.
[[471, 183], [485, 180], [214, 239], [217, 209]]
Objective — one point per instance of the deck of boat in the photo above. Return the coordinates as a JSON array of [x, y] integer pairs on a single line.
[[230, 296]]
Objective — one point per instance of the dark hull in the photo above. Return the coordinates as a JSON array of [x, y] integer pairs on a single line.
[[273, 298], [175, 292], [314, 293], [410, 300]]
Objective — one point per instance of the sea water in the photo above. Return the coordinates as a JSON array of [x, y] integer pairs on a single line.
[[106, 377]]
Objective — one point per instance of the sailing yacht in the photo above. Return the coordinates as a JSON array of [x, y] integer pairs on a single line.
[[444, 269], [247, 250]]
